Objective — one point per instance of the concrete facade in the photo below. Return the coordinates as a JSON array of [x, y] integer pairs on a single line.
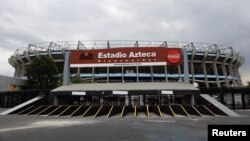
[[208, 65]]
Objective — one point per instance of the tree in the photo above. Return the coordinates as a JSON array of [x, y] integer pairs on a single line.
[[42, 73], [76, 79]]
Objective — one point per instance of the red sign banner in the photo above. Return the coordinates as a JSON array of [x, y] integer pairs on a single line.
[[126, 56]]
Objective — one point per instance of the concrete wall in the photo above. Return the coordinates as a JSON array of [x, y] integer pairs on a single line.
[[8, 83]]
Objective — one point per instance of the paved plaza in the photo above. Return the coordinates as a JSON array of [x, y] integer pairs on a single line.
[[41, 128]]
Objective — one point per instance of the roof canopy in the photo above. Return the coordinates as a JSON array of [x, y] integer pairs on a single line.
[[126, 86]]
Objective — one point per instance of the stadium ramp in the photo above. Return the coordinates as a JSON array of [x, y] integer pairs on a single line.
[[22, 105], [220, 106]]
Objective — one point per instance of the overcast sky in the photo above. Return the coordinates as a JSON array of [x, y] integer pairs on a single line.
[[215, 21]]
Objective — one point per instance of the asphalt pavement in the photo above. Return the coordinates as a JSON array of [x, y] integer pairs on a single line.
[[42, 128]]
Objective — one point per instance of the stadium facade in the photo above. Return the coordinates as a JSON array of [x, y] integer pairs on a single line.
[[208, 65]]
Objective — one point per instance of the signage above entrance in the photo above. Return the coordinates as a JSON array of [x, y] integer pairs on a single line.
[[120, 92], [167, 92], [78, 93], [126, 57]]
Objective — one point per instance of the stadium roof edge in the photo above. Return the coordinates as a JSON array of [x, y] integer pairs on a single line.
[[98, 44]]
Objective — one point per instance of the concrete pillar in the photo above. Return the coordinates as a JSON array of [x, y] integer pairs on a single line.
[[236, 72], [151, 71], [204, 68], [107, 74], [192, 100], [224, 70], [93, 74], [137, 74], [66, 69], [27, 56], [185, 65], [215, 68], [127, 100], [216, 74], [236, 67], [141, 100], [78, 71], [166, 72], [50, 53], [56, 100], [23, 71], [122, 74], [230, 69], [179, 72]]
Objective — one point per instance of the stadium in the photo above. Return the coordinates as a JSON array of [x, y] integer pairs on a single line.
[[160, 77], [209, 65]]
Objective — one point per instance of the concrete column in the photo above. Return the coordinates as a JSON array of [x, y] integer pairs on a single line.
[[185, 65], [22, 70], [122, 74], [236, 67], [191, 64], [27, 56], [127, 100], [93, 73], [192, 100], [204, 68], [66, 69], [78, 71], [216, 73], [205, 73], [151, 71], [166, 72], [215, 69], [137, 74], [18, 71], [107, 74], [179, 72], [224, 70], [230, 68], [141, 100], [225, 74], [236, 72], [56, 100], [50, 53]]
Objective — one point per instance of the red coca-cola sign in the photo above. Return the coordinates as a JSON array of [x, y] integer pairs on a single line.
[[174, 56]]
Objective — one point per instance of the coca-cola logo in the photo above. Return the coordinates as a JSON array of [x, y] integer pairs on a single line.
[[174, 56]]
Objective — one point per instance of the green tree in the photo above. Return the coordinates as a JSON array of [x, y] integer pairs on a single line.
[[76, 79], [42, 73]]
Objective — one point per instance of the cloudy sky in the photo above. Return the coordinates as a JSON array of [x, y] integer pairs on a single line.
[[215, 21]]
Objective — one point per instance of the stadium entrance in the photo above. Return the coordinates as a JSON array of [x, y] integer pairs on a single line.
[[131, 103], [133, 98]]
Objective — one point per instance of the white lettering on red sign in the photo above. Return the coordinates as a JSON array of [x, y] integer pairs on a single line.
[[124, 55], [112, 55]]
